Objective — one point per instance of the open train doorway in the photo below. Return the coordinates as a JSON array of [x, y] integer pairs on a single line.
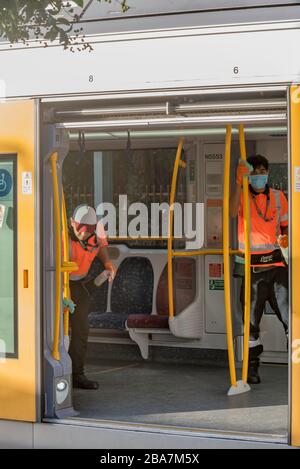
[[147, 374]]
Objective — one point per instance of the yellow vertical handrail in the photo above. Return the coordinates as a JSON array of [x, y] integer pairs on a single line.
[[226, 254], [247, 258], [178, 163], [67, 294], [65, 267], [57, 228]]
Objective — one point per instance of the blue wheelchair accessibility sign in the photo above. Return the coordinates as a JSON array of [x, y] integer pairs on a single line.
[[6, 182]]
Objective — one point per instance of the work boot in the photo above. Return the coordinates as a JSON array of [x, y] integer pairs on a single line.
[[254, 363], [253, 375], [82, 382]]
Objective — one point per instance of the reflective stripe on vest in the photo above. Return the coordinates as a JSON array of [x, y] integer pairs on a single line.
[[278, 207], [261, 247]]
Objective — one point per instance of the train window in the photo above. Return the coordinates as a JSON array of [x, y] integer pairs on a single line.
[[78, 174], [144, 175], [8, 247], [279, 177]]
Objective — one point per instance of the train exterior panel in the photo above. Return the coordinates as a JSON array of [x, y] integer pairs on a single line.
[[167, 54]]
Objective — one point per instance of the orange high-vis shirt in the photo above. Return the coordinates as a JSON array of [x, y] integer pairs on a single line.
[[85, 257], [264, 233]]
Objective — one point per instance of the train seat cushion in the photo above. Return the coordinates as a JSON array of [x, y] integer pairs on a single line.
[[146, 321], [132, 290]]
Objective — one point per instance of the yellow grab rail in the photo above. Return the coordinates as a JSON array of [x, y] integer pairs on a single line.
[[171, 253], [67, 293], [237, 387], [57, 227], [60, 267], [205, 252], [247, 259], [226, 244], [178, 162]]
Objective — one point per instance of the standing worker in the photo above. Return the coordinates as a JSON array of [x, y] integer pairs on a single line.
[[268, 233], [85, 245]]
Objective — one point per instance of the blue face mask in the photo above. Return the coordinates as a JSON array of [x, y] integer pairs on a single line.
[[259, 181]]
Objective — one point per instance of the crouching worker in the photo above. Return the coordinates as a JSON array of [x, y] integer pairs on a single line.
[[269, 232], [85, 245]]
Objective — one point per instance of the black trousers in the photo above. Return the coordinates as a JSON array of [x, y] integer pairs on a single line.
[[271, 286], [80, 326]]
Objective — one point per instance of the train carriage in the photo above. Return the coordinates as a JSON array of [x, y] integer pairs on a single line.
[[158, 113]]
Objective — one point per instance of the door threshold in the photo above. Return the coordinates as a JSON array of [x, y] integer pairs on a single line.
[[171, 429]]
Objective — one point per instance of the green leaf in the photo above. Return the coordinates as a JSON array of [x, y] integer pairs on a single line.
[[80, 3], [62, 20], [21, 20]]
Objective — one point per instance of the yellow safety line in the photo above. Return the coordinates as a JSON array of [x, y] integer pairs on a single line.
[[226, 247], [55, 352], [247, 258], [178, 163]]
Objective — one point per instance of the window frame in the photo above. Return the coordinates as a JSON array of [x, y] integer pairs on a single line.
[[14, 159]]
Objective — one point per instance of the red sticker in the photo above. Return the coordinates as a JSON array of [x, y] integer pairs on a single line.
[[215, 270]]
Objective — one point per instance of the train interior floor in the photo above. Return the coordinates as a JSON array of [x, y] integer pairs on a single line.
[[185, 396]]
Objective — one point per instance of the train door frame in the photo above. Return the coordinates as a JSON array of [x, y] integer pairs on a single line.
[[19, 136], [295, 385], [294, 267]]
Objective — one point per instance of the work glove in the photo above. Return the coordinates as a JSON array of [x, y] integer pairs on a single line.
[[243, 169], [69, 305], [283, 241]]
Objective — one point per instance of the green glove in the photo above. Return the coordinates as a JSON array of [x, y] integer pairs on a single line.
[[243, 169], [70, 305]]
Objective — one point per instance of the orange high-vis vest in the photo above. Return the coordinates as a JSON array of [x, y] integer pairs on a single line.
[[85, 257], [264, 227]]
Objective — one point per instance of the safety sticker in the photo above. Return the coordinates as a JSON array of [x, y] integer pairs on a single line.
[[215, 270], [216, 285], [297, 179], [27, 183], [2, 214]]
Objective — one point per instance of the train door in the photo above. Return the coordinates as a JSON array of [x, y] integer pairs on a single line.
[[57, 363], [19, 324]]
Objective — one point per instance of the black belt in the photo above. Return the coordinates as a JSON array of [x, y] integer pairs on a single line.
[[261, 261], [258, 270], [267, 259]]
